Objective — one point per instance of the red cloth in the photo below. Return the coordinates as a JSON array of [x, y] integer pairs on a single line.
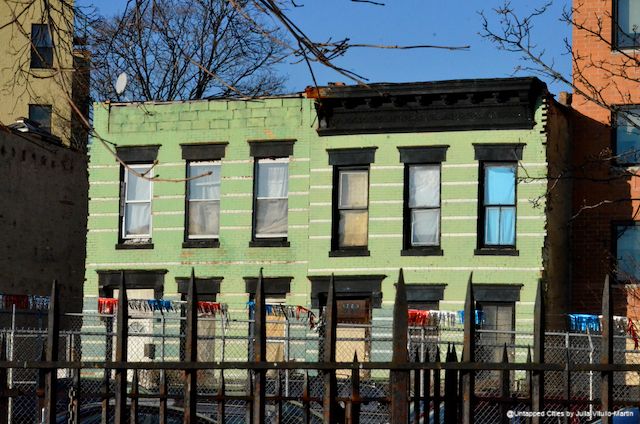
[[107, 305], [21, 301]]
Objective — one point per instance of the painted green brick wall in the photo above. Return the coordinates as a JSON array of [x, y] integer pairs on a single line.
[[170, 124], [309, 203]]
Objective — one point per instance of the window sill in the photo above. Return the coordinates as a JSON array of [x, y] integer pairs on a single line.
[[128, 246], [422, 251], [345, 253], [202, 243], [496, 251], [269, 243]]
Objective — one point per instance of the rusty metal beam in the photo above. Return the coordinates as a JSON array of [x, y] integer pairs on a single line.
[[606, 351], [122, 322], [191, 353], [259, 352], [400, 379], [468, 354], [352, 415], [329, 403]]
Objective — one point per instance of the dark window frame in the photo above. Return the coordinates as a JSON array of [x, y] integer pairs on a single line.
[[41, 56], [199, 242], [614, 134], [49, 110], [408, 249], [614, 248], [336, 249], [616, 30], [108, 280], [266, 241], [482, 247]]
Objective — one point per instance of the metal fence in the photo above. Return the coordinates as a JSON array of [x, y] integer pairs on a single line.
[[181, 367]]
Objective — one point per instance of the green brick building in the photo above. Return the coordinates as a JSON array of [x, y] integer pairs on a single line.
[[441, 179]]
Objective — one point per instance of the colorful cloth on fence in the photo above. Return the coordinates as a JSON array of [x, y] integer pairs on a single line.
[[431, 318], [479, 317], [24, 302], [289, 312], [584, 322], [109, 306]]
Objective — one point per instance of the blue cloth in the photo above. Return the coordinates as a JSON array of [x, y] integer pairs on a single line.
[[582, 322], [479, 317]]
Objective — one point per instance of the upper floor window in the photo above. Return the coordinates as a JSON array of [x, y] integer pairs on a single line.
[[138, 191], [271, 199], [627, 126], [136, 194], [422, 199], [350, 212], [627, 245], [497, 197], [499, 204], [203, 199], [270, 192], [42, 115], [627, 23], [41, 46]]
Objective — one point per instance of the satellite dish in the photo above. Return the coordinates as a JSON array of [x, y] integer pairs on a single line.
[[121, 83]]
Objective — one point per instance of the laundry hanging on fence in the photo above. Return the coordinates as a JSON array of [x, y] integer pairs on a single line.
[[213, 308], [289, 312], [24, 302], [584, 322], [479, 317], [431, 318], [109, 306]]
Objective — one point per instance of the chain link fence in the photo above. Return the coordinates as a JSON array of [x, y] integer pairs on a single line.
[[156, 336]]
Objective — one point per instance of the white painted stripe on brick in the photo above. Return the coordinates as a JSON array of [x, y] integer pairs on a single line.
[[103, 199], [103, 230], [233, 162], [458, 234], [535, 182], [161, 213], [428, 268], [531, 234], [459, 165], [320, 203], [385, 235], [104, 166], [103, 214], [181, 229], [528, 200], [298, 193], [459, 183], [321, 169], [386, 218], [235, 211], [386, 202], [386, 167], [170, 164], [320, 237], [294, 159], [387, 184], [532, 217], [148, 264], [299, 210], [236, 194], [299, 227], [448, 201], [104, 183], [169, 197], [320, 221], [533, 164], [236, 227], [459, 218], [237, 178], [298, 176], [321, 187]]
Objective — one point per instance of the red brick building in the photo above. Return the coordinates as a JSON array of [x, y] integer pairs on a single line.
[[606, 152]]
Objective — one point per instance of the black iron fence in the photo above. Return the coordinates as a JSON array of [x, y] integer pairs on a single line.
[[425, 381]]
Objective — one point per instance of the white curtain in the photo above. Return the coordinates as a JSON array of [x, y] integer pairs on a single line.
[[424, 186], [206, 187], [272, 203], [204, 218], [137, 219], [354, 187], [425, 227], [273, 179]]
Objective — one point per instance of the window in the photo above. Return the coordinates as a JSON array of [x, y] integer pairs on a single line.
[[271, 204], [423, 205], [203, 200], [627, 23], [498, 318], [499, 205], [353, 207], [138, 191], [41, 46], [41, 114], [627, 124], [627, 245]]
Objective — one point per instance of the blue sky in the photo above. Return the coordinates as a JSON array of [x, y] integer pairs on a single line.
[[403, 22]]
